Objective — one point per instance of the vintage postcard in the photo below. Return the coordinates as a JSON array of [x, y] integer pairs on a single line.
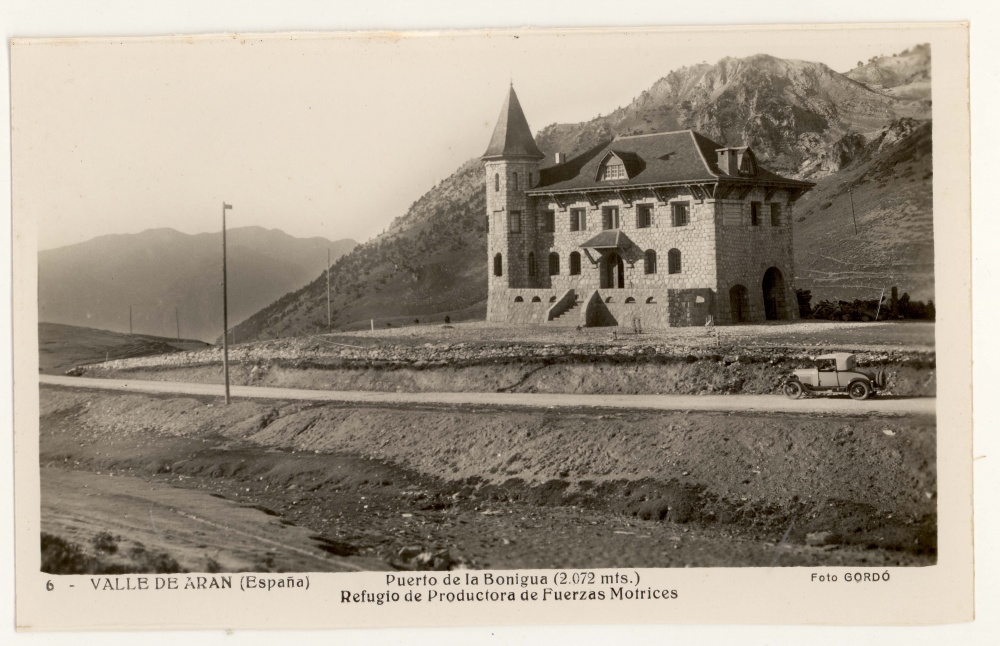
[[493, 327]]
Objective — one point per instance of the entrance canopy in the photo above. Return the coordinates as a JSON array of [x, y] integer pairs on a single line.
[[608, 240]]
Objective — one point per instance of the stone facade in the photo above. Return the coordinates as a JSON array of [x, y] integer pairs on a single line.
[[674, 253]]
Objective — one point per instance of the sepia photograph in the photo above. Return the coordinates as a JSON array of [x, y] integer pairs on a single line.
[[481, 302]]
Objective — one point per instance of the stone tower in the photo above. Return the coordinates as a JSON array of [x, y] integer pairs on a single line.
[[511, 161]]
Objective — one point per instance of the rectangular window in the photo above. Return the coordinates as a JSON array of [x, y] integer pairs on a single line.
[[549, 221], [755, 214], [643, 216], [514, 219], [775, 214], [680, 214], [578, 219], [610, 216]]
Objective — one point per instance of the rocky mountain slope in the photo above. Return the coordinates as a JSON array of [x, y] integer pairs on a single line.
[[869, 128], [890, 184], [92, 284]]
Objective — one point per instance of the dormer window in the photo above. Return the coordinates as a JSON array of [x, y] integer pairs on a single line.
[[613, 170], [618, 165]]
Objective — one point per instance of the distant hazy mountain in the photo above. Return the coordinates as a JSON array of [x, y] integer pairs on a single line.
[[868, 130], [93, 283]]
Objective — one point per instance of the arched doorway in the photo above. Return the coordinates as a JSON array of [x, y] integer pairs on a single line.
[[739, 304], [613, 272], [773, 286]]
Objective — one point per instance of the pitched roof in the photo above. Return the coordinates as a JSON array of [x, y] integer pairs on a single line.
[[659, 158], [512, 136]]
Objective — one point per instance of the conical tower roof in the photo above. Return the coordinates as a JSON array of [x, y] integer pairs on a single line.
[[512, 137]]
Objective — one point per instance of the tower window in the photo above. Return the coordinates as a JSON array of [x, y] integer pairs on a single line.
[[755, 214], [775, 214], [553, 264], [643, 216], [514, 220], [498, 265], [531, 264], [496, 182], [610, 217], [574, 264], [680, 214], [578, 219], [650, 261], [674, 261], [515, 181]]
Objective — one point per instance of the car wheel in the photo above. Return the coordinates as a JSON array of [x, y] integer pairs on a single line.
[[880, 379], [793, 390], [859, 390]]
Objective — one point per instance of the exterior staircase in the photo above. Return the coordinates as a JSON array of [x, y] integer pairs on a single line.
[[570, 317]]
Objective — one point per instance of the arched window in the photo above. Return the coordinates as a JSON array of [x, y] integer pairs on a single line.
[[496, 182], [574, 263], [553, 264], [515, 181], [650, 261], [531, 264], [674, 261], [498, 265]]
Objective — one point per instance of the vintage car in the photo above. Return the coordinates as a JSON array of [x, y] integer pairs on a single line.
[[836, 372]]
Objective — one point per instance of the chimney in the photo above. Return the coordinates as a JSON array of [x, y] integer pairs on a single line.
[[728, 163], [560, 158]]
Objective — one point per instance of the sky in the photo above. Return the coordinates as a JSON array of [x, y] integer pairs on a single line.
[[330, 136]]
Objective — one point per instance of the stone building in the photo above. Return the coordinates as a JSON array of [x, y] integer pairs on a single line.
[[659, 230]]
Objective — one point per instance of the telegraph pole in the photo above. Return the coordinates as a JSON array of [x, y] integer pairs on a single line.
[[329, 320], [225, 304]]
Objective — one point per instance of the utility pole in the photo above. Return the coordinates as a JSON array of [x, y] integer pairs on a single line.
[[329, 320], [225, 304], [177, 319], [130, 319], [850, 192]]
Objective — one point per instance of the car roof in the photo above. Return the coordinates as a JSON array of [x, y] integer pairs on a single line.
[[839, 356]]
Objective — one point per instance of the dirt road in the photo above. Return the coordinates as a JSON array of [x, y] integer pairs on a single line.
[[198, 529], [834, 405]]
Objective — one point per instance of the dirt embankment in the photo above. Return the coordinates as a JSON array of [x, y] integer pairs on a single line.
[[758, 373], [829, 481]]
